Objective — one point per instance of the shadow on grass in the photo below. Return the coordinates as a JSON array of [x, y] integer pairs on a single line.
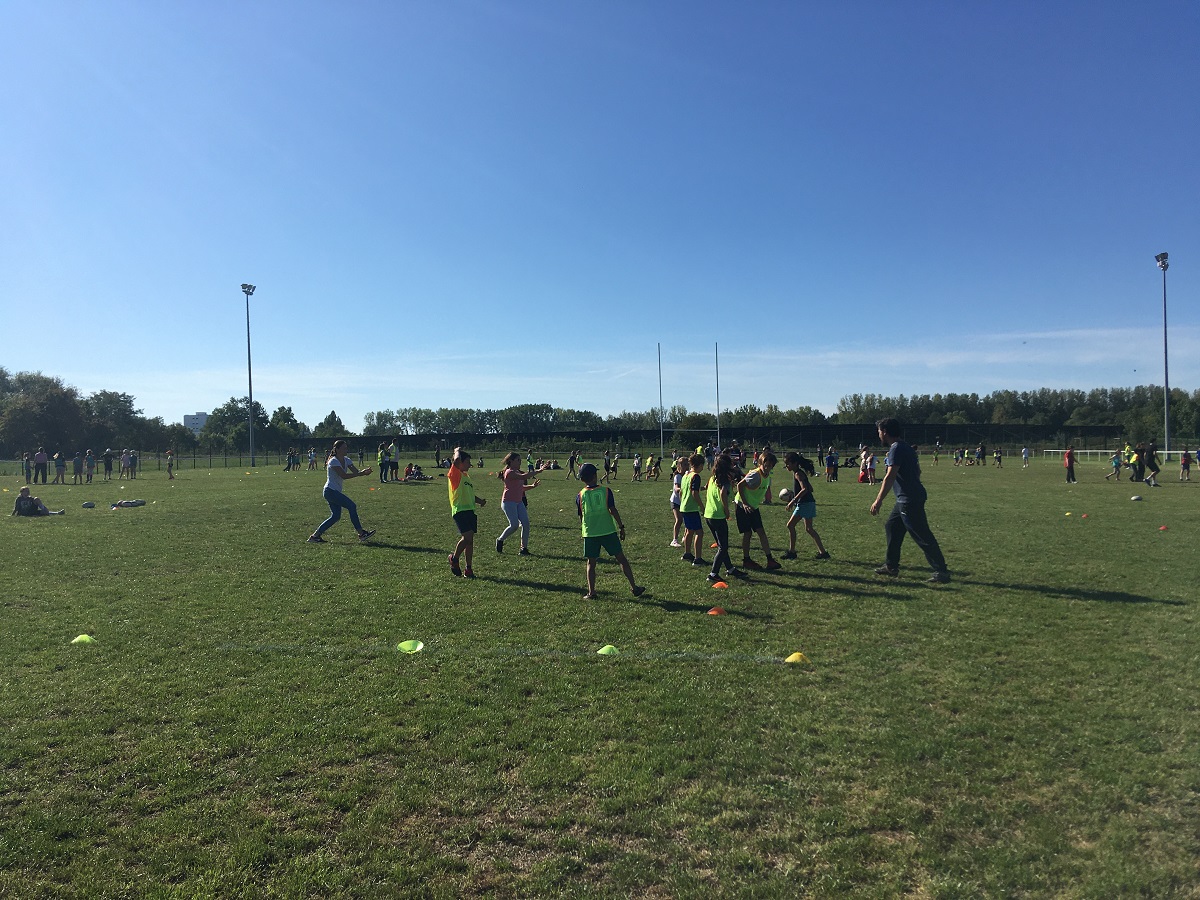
[[1041, 590], [1072, 593], [384, 545], [676, 606], [535, 585]]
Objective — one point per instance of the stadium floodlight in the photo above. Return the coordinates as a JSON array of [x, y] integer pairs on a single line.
[[248, 290], [1161, 259]]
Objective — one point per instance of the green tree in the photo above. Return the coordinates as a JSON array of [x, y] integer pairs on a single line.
[[330, 427], [227, 427]]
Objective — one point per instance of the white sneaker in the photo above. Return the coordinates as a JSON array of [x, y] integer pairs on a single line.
[[676, 544]]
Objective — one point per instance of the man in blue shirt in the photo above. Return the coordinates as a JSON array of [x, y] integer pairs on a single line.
[[903, 479]]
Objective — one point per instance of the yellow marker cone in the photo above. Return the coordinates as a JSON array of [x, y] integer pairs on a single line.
[[410, 646], [84, 639], [607, 650], [797, 657]]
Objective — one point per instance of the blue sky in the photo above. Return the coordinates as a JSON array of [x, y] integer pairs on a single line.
[[483, 204]]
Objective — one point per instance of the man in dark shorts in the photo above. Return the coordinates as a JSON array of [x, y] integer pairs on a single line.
[[1152, 466]]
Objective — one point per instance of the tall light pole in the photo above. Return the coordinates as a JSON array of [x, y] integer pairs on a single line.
[[1161, 259], [248, 289]]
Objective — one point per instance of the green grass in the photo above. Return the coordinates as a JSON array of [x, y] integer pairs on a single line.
[[244, 725]]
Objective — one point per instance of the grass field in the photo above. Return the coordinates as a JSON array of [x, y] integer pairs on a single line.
[[244, 725]]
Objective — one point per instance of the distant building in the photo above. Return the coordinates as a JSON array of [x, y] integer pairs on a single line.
[[195, 423]]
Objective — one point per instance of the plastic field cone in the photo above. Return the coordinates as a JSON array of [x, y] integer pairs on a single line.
[[1162, 527], [720, 585], [607, 650], [797, 657], [712, 546], [84, 639], [716, 611], [410, 646]]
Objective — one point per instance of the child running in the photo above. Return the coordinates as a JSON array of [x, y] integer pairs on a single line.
[[602, 528], [462, 508], [751, 491], [803, 507], [716, 514]]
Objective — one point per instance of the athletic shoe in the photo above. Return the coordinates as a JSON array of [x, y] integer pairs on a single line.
[[638, 591], [887, 570], [748, 563], [1145, 481], [315, 539], [499, 545], [468, 573], [737, 573], [789, 555], [524, 552], [687, 557], [676, 544], [772, 565], [822, 556], [454, 569], [939, 578], [713, 579], [699, 562], [366, 535]]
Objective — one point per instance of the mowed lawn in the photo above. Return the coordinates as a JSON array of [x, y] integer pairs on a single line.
[[244, 725]]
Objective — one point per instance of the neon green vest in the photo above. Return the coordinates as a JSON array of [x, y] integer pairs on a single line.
[[463, 498], [713, 507], [687, 500], [597, 520], [755, 497]]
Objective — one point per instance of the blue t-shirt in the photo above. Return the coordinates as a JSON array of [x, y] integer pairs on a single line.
[[907, 486]]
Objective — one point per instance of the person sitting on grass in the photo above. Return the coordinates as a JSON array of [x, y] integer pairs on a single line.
[[602, 528], [28, 505]]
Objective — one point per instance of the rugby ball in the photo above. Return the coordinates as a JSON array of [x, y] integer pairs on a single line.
[[785, 496], [753, 480]]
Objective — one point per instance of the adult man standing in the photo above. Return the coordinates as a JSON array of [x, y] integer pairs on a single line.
[[903, 479]]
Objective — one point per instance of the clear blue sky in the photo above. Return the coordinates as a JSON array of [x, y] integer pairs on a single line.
[[480, 204]]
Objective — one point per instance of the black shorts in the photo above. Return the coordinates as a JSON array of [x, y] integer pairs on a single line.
[[747, 519], [466, 521]]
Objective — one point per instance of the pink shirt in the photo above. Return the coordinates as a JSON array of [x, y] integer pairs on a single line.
[[514, 486]]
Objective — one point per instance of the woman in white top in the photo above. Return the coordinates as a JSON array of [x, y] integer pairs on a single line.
[[339, 469]]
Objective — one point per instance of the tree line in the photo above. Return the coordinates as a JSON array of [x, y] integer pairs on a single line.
[[39, 410]]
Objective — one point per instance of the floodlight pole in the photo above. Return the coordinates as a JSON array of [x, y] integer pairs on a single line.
[[1161, 259], [248, 290]]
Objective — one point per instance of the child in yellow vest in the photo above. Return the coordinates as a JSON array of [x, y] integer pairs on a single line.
[[751, 492], [462, 507], [602, 528]]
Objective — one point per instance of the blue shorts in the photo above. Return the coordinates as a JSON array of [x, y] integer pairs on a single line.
[[691, 521], [592, 545], [805, 509]]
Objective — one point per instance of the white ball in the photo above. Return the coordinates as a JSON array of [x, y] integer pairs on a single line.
[[1136, 497], [753, 480], [785, 496]]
